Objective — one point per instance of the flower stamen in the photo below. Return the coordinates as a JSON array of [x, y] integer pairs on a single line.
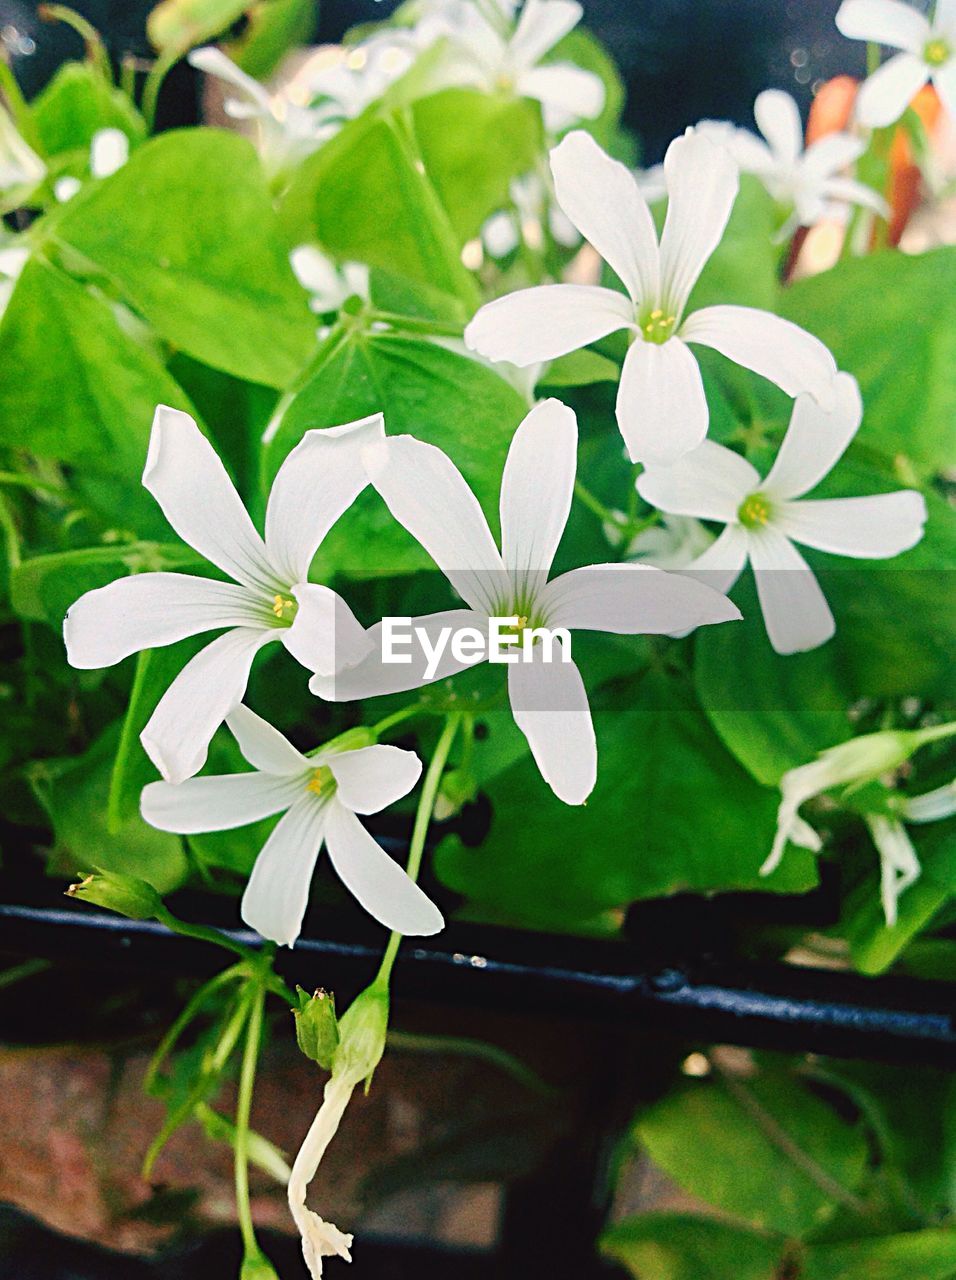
[[755, 511], [657, 327], [284, 608], [320, 781], [937, 52]]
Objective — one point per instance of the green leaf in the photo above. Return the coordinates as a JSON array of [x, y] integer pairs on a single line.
[[472, 145], [773, 711], [890, 319], [926, 1255], [586, 51], [580, 369], [271, 30], [44, 587], [764, 1149], [365, 197], [743, 269], [176, 26], [672, 810], [444, 398], [186, 231], [74, 793], [93, 403], [683, 1246], [76, 104]]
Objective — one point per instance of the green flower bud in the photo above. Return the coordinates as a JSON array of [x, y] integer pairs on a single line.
[[124, 894], [362, 1030], [316, 1028]]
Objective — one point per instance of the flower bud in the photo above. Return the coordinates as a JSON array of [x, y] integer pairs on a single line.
[[316, 1028], [362, 1030], [124, 894], [256, 1266]]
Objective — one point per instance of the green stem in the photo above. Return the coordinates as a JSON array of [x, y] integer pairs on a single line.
[[442, 328], [936, 732], [204, 933], [95, 49], [423, 817], [247, 1080], [26, 970], [596, 506], [191, 1009], [396, 718], [20, 481], [153, 83]]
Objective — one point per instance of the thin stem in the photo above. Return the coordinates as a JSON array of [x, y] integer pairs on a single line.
[[423, 817], [465, 1046], [247, 1080], [21, 971], [95, 49], [154, 82], [191, 1009], [20, 481], [396, 718], [204, 933], [595, 505], [410, 324]]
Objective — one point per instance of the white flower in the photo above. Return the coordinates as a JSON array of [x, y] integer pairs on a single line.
[[329, 285], [533, 207], [661, 407], [764, 518], [320, 1239], [928, 54], [899, 864], [109, 151], [933, 805], [319, 797], [489, 52], [12, 261], [21, 169], [270, 597], [673, 544], [810, 180], [288, 132], [428, 495]]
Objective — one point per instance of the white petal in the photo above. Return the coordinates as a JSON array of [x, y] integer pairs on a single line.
[[550, 707], [373, 677], [315, 272], [888, 92], [831, 154], [427, 494], [884, 22], [109, 151], [213, 62], [932, 806], [633, 599], [377, 881], [566, 93], [278, 890], [870, 528], [148, 610], [316, 484], [709, 482], [536, 491], [218, 803], [661, 406], [372, 778], [325, 635], [848, 191], [944, 79], [546, 322], [186, 477], [795, 612], [500, 234], [541, 25], [944, 18], [263, 745], [723, 562], [778, 119], [602, 199], [211, 685], [816, 439], [702, 181], [775, 348]]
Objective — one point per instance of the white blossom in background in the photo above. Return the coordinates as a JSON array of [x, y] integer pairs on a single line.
[[812, 181], [330, 285], [928, 55], [764, 517], [269, 598], [109, 151], [534, 209], [490, 51], [287, 131], [319, 797], [428, 496], [673, 544], [661, 406], [21, 169], [13, 259]]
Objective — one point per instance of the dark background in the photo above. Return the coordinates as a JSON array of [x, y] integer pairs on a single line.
[[683, 60]]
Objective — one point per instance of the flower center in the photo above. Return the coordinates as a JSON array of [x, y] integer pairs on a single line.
[[755, 511], [284, 609], [320, 781], [937, 51], [657, 326]]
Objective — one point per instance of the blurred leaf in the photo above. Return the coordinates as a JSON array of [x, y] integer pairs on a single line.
[[744, 267], [769, 1153], [586, 51], [176, 26], [186, 230], [273, 28], [917, 1255], [76, 103], [682, 1246]]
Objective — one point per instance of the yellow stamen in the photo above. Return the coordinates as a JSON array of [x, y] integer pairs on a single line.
[[320, 780], [284, 608], [937, 52], [755, 511]]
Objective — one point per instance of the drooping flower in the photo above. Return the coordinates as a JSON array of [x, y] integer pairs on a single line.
[[928, 54], [330, 285], [268, 599], [763, 518], [21, 169], [490, 51], [428, 495], [319, 797], [109, 151], [661, 406], [812, 181]]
